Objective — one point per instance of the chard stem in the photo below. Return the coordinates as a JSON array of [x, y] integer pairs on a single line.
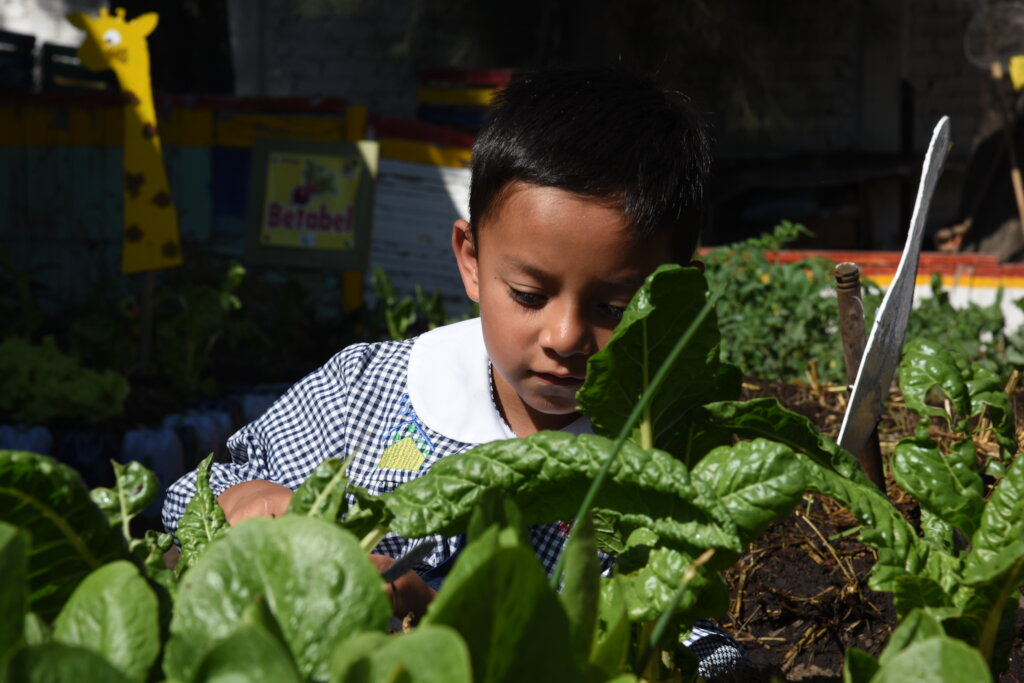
[[987, 642], [627, 427], [371, 539], [123, 504], [646, 424]]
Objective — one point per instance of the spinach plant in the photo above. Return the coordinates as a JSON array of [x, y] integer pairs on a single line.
[[295, 599], [43, 385]]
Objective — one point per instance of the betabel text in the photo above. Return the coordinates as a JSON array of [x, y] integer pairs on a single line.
[[321, 219]]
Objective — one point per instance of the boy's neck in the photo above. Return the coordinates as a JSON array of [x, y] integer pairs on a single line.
[[523, 419]]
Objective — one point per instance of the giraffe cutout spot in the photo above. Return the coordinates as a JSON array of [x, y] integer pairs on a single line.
[[162, 199], [133, 233], [133, 183], [169, 250], [148, 131], [130, 98]]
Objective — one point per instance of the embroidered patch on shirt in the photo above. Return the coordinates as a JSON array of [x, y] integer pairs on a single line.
[[408, 442]]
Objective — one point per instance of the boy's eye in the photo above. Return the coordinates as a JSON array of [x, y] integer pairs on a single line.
[[614, 311], [526, 298]]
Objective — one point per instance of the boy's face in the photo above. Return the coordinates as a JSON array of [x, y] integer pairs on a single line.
[[552, 272]]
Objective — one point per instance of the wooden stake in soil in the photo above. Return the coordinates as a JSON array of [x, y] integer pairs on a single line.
[[851, 327]]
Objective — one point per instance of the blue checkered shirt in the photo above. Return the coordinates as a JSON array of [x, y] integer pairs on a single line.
[[351, 407]]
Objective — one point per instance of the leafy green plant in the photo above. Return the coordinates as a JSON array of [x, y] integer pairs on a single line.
[[780, 320], [776, 319], [42, 385], [296, 599], [975, 331], [19, 310], [191, 320], [397, 319], [958, 576]]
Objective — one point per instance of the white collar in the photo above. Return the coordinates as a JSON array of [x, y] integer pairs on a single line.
[[450, 386]]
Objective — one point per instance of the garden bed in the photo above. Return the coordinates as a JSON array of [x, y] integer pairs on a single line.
[[798, 598]]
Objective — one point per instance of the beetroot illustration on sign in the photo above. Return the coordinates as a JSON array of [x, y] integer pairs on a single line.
[[317, 180]]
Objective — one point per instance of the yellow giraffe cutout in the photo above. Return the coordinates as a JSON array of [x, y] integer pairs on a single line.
[[151, 238]]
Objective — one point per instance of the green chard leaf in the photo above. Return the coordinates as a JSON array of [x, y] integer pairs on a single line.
[[547, 475], [611, 646], [766, 418], [998, 544], [249, 654], [315, 579], [915, 626], [858, 666], [496, 509], [988, 397], [939, 658], [203, 520], [322, 495], [649, 576], [37, 631], [918, 592], [367, 514], [135, 488], [113, 612], [70, 535], [57, 662], [582, 589], [498, 594], [429, 654], [927, 366], [948, 486], [900, 550], [13, 583], [617, 375], [994, 567], [757, 481]]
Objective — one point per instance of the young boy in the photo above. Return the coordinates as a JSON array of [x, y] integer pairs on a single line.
[[583, 182]]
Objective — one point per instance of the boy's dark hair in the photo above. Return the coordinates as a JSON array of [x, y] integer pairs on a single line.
[[601, 133]]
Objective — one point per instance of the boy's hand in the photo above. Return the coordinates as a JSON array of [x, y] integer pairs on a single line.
[[256, 498], [409, 594]]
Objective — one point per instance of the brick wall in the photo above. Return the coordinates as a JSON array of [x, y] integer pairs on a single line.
[[355, 55]]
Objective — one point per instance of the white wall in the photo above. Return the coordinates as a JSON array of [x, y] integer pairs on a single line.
[[45, 19]]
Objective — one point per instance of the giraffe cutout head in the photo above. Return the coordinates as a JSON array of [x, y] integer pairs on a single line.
[[113, 43]]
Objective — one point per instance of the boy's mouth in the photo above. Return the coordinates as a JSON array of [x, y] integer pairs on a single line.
[[559, 380]]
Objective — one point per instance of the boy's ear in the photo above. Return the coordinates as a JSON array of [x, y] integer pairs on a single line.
[[466, 257]]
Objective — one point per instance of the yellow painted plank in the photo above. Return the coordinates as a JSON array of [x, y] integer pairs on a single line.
[[84, 127], [187, 127], [111, 122], [10, 127], [425, 153], [351, 290], [355, 122], [466, 97], [240, 130], [949, 281], [38, 125]]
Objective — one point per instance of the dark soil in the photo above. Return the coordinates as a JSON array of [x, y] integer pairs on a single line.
[[799, 596]]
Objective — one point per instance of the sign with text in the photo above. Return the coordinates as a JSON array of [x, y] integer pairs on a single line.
[[311, 203]]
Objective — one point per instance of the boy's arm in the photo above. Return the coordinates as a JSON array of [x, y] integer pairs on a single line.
[[283, 446], [257, 498], [409, 594]]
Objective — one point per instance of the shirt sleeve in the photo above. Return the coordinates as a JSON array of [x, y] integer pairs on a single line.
[[299, 431]]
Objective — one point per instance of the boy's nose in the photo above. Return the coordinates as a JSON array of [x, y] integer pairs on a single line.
[[567, 333]]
